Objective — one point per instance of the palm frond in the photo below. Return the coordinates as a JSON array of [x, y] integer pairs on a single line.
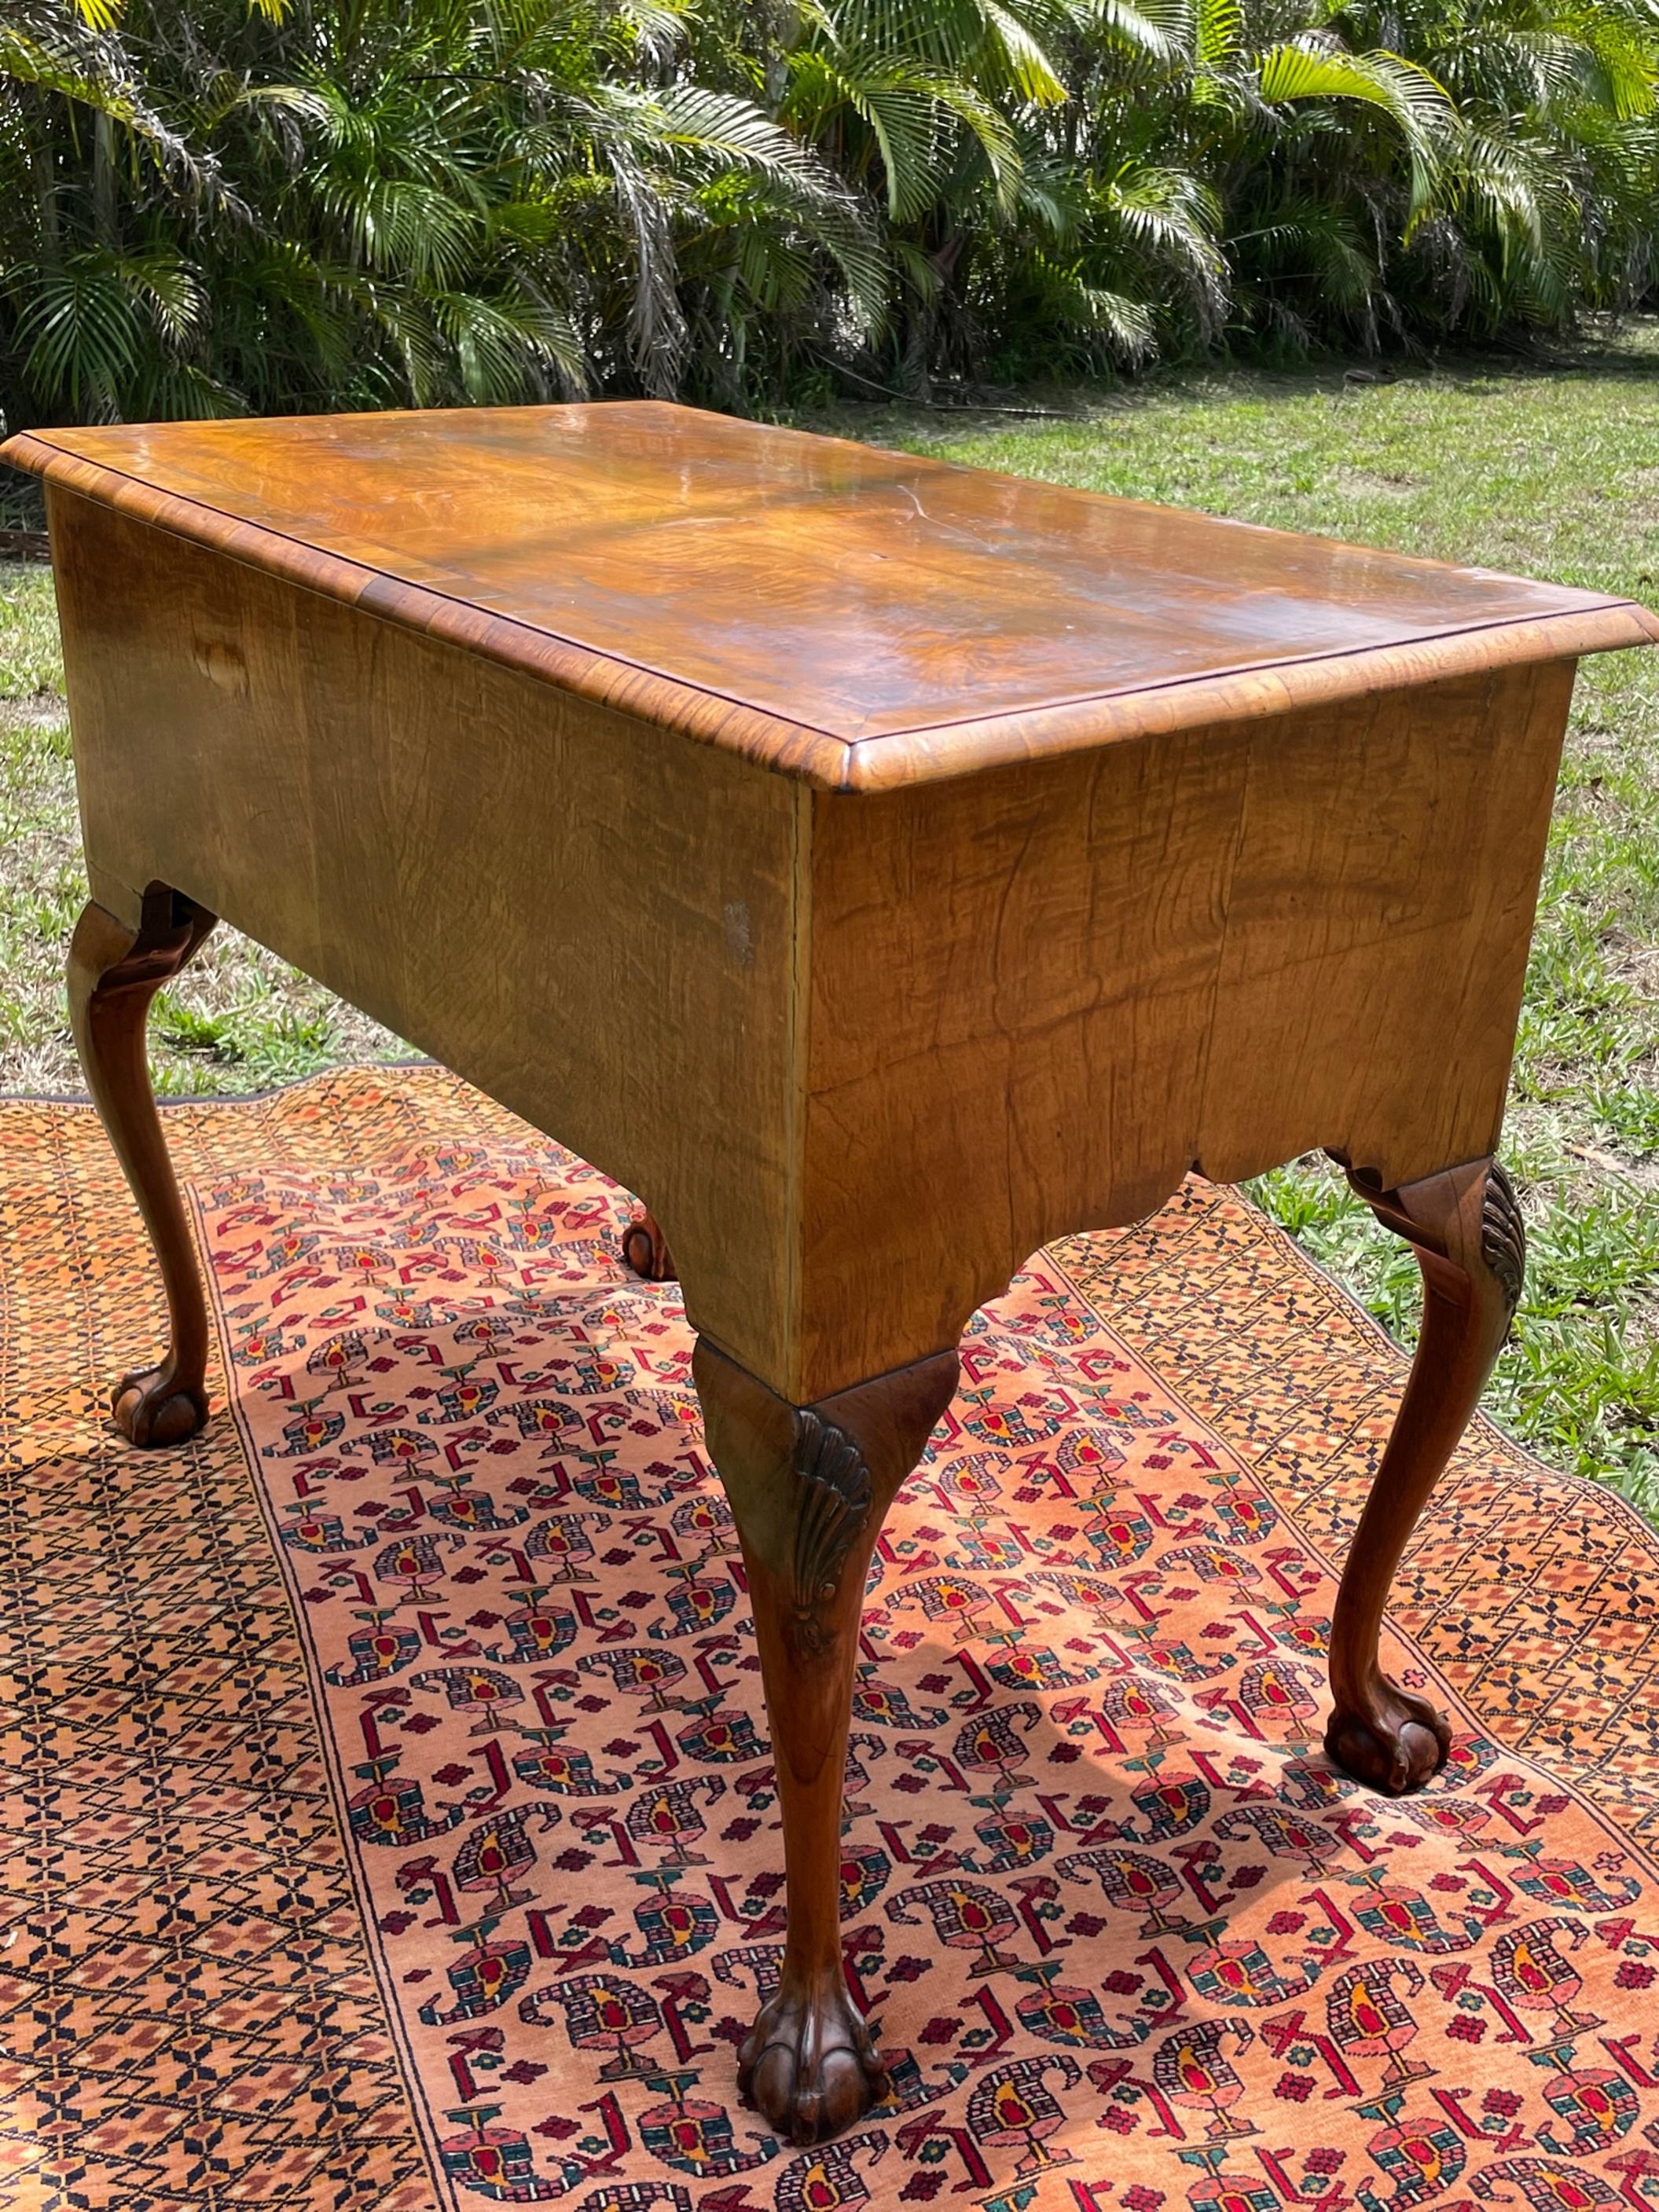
[[208, 205]]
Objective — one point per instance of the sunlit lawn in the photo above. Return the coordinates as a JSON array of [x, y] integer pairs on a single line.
[[1553, 473]]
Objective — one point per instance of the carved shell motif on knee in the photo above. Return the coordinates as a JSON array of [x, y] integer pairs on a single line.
[[1503, 1235], [834, 1506]]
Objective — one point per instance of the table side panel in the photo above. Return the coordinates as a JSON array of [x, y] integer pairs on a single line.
[[1379, 927], [592, 921], [1040, 995]]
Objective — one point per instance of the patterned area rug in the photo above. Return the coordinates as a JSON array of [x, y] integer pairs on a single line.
[[389, 1809]]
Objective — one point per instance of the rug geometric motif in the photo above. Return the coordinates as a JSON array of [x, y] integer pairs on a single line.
[[1127, 1937], [191, 2014], [1129, 1941]]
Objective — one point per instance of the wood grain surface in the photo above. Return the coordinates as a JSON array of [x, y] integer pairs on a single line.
[[1050, 991], [596, 928], [857, 618]]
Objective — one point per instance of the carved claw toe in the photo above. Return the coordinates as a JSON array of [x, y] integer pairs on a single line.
[[1396, 1746], [645, 1249], [152, 1410], [810, 2066]]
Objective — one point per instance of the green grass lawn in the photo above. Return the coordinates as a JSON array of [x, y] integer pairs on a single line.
[[1554, 472], [239, 1020]]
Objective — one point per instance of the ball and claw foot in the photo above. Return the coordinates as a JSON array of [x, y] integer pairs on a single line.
[[1397, 1747], [152, 1410], [810, 2067], [645, 1249]]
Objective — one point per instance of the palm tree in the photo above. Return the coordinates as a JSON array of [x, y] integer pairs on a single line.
[[208, 206], [368, 204]]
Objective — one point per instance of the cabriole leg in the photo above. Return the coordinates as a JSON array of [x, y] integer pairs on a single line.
[[113, 974], [809, 1487], [1466, 1226]]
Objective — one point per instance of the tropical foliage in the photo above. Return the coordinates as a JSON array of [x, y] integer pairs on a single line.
[[213, 205]]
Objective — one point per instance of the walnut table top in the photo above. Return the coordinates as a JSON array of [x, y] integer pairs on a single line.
[[854, 616]]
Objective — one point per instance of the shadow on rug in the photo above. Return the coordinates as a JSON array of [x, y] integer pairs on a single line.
[[389, 1805]]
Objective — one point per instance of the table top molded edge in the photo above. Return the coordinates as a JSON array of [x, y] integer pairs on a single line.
[[928, 753]]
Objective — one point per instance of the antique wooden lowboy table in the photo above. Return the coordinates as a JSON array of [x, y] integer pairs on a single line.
[[881, 867]]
